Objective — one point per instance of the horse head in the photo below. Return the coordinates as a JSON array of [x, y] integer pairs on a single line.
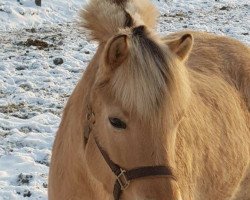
[[137, 100]]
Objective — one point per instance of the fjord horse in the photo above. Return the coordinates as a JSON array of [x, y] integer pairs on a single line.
[[154, 118]]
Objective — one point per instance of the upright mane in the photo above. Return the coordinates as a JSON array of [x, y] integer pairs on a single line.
[[98, 16], [151, 73]]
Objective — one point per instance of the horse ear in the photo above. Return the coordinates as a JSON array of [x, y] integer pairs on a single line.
[[181, 46], [117, 51]]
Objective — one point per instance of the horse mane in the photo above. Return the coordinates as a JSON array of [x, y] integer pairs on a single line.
[[98, 16], [149, 76]]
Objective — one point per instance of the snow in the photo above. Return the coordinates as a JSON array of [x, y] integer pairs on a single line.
[[33, 90], [25, 13], [224, 17]]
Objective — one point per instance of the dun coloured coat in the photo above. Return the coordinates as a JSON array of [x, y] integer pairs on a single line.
[[180, 100]]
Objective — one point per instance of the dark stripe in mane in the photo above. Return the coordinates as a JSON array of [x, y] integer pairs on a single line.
[[129, 20], [139, 31], [119, 2], [149, 46]]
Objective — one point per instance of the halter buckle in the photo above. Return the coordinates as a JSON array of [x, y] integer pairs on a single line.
[[122, 180]]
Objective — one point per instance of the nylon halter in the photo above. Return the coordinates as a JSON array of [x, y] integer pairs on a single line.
[[124, 177]]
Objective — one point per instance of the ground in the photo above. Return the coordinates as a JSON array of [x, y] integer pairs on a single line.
[[43, 53]]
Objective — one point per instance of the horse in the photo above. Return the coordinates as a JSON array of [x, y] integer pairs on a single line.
[[154, 117]]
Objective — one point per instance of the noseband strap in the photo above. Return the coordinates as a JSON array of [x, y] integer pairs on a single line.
[[124, 177]]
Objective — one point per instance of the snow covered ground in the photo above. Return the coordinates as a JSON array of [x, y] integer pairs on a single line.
[[34, 86], [25, 13]]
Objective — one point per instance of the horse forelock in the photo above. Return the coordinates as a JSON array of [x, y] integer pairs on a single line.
[[141, 83]]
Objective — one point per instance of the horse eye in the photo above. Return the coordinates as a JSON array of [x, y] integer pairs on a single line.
[[117, 123]]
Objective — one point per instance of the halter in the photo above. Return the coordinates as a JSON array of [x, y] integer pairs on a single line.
[[123, 177]]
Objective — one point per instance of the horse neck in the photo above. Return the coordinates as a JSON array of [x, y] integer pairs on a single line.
[[69, 147]]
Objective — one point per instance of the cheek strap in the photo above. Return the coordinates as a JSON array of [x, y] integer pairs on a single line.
[[123, 177]]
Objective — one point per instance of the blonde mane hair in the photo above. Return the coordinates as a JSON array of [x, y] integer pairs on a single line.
[[150, 75], [147, 78], [98, 16]]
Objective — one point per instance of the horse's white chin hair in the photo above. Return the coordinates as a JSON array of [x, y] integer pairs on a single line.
[[179, 197]]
